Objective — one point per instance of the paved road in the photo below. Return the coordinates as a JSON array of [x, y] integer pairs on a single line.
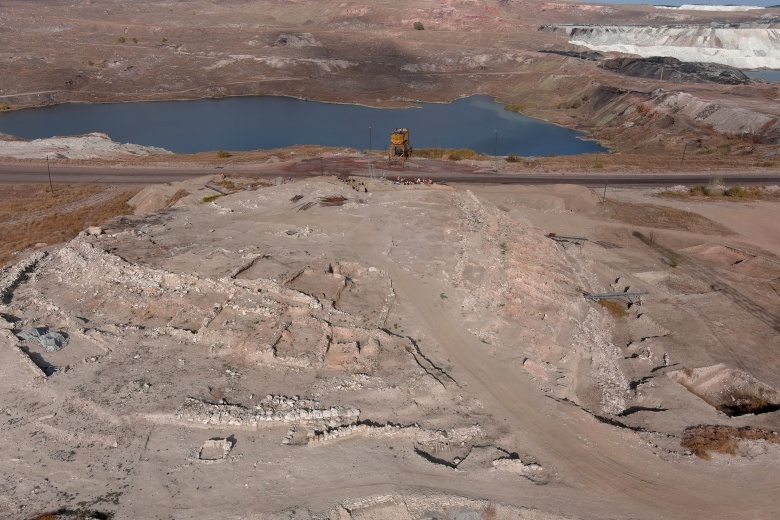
[[440, 171]]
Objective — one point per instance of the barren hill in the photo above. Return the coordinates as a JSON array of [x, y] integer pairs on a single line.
[[371, 349]]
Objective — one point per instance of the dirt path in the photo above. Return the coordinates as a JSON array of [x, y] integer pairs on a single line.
[[610, 464]]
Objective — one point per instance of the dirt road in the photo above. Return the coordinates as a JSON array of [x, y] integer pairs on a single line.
[[439, 171]]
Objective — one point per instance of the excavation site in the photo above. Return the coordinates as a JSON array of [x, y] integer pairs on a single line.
[[394, 330]]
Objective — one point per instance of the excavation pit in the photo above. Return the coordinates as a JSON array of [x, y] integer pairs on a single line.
[[729, 390]]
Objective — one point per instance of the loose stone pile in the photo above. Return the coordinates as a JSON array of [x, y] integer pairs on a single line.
[[280, 409]]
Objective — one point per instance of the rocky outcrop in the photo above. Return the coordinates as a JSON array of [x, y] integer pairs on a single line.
[[672, 69]]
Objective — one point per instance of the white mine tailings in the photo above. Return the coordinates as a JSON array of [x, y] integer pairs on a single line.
[[697, 7], [745, 46]]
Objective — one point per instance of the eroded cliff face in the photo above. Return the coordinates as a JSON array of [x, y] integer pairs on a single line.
[[746, 46], [642, 119]]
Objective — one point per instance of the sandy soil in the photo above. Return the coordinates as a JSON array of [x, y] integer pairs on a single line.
[[391, 352]]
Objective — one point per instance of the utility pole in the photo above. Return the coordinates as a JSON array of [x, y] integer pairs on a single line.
[[369, 139], [495, 151], [49, 170], [683, 155]]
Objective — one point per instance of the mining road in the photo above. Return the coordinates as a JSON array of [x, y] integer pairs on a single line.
[[439, 171]]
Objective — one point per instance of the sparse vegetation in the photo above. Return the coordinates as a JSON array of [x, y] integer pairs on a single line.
[[489, 513], [463, 153], [176, 197], [429, 153], [222, 154], [513, 158], [211, 198], [650, 215], [720, 192], [675, 260], [121, 39], [54, 222], [514, 107], [419, 26], [703, 440], [614, 307]]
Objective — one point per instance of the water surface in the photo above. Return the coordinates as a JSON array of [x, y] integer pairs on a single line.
[[769, 75], [251, 123]]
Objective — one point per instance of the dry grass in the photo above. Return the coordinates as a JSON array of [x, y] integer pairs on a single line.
[[614, 307], [333, 201], [489, 513], [176, 197], [703, 440], [19, 199], [39, 217], [741, 402], [662, 217], [720, 192]]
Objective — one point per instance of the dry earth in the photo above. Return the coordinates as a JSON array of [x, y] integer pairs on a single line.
[[408, 351], [108, 50], [306, 350]]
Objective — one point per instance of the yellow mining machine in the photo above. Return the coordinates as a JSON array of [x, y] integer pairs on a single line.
[[399, 149]]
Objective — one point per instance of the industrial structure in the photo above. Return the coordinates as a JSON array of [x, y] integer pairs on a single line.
[[400, 149]]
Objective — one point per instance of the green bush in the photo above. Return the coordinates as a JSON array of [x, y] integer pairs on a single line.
[[222, 154], [419, 26], [211, 198], [513, 158]]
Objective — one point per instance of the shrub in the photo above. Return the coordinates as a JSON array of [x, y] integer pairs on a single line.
[[674, 260], [419, 26], [514, 107], [735, 191], [702, 191], [513, 158], [211, 198], [121, 39], [429, 153], [462, 153], [135, 40], [222, 154]]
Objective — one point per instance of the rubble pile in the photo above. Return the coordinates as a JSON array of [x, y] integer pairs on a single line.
[[278, 409]]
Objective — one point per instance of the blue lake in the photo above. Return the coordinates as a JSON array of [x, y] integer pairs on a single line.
[[251, 123], [769, 75]]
